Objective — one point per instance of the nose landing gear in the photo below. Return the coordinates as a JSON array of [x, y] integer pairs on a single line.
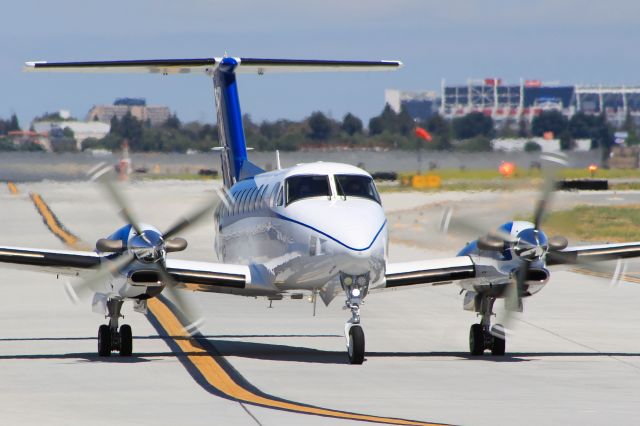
[[355, 335], [355, 289]]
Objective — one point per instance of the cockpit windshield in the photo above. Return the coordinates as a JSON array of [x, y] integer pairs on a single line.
[[356, 186], [307, 186]]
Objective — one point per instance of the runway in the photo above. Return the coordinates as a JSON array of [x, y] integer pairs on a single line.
[[574, 359]]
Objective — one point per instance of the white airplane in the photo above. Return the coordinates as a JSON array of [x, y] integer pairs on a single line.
[[314, 228]]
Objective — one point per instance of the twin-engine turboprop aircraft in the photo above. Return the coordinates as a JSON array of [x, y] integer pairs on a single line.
[[317, 228]]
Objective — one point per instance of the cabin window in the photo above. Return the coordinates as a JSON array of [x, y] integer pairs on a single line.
[[243, 203], [273, 198], [246, 202], [251, 206], [259, 203], [307, 186], [239, 200], [356, 186], [233, 208], [280, 197]]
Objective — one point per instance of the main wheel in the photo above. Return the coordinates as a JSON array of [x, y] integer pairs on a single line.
[[356, 345], [104, 340], [476, 339], [497, 345], [126, 340]]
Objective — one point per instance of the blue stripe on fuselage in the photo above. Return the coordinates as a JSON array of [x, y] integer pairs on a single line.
[[279, 216]]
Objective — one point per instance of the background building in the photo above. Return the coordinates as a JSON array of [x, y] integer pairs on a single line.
[[420, 105], [81, 130], [524, 100], [138, 108]]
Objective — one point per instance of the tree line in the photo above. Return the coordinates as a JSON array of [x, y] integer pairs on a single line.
[[388, 130], [6, 144]]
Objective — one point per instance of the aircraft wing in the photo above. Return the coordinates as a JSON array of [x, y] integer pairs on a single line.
[[64, 262], [593, 253], [429, 272], [209, 276], [196, 276]]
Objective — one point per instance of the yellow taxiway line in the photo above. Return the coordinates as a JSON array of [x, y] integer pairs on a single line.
[[13, 189], [219, 378], [583, 271], [54, 225]]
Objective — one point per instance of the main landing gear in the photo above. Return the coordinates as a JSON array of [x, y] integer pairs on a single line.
[[481, 337], [110, 338]]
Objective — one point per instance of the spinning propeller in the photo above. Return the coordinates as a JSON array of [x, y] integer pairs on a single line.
[[529, 246], [147, 246]]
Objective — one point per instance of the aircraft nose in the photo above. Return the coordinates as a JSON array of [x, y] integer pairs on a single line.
[[356, 230], [360, 240]]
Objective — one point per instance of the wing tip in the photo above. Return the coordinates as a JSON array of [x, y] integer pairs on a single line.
[[32, 65]]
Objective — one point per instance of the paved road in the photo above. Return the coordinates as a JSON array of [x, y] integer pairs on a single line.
[[574, 359]]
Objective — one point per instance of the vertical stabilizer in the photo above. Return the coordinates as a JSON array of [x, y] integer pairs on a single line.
[[230, 129]]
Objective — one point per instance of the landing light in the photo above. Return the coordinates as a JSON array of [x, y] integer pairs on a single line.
[[355, 292], [347, 281]]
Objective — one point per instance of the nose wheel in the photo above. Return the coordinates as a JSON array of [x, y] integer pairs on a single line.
[[355, 349], [355, 335]]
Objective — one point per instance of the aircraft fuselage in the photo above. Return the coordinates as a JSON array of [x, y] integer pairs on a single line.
[[306, 225]]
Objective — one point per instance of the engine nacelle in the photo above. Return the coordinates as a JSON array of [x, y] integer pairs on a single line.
[[144, 278], [536, 279], [143, 284]]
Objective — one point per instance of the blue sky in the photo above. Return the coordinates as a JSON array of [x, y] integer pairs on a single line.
[[568, 41]]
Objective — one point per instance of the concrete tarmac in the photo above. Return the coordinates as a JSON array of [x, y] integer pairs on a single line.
[[575, 357]]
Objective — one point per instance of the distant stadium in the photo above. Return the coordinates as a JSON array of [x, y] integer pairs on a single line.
[[525, 100]]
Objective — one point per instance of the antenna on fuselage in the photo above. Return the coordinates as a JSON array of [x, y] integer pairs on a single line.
[[278, 165]]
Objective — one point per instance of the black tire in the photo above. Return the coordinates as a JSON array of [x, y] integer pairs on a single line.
[[476, 340], [126, 340], [104, 340], [497, 346], [356, 345]]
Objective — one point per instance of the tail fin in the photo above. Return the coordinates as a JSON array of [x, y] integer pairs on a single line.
[[235, 164]]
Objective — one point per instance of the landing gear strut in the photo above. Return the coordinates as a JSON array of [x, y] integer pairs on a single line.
[[110, 338], [355, 288], [481, 337]]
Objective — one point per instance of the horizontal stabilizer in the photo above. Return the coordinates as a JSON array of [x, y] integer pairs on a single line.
[[208, 65], [260, 66], [150, 66]]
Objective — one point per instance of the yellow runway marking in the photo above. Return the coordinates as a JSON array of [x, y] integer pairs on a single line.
[[207, 364], [51, 221], [13, 189], [626, 278]]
